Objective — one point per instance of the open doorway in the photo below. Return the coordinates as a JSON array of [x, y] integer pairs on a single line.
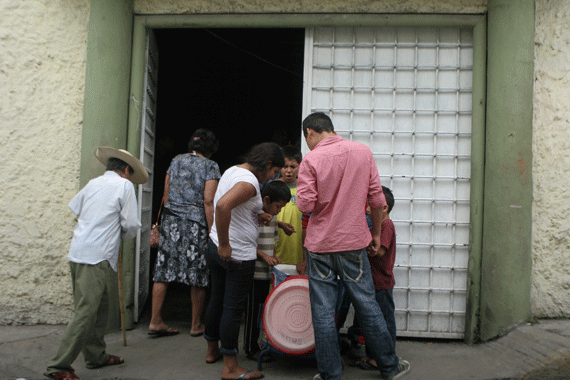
[[244, 84]]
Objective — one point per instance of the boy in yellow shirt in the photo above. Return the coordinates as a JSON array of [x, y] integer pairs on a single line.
[[289, 248]]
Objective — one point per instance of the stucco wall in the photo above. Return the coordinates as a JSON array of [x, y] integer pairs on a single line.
[[551, 167], [42, 75]]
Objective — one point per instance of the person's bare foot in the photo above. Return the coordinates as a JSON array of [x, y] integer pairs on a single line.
[[213, 353], [197, 330], [242, 373], [157, 326]]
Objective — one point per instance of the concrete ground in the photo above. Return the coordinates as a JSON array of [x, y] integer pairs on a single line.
[[537, 351]]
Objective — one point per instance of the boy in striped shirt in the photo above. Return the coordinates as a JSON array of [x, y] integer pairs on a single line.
[[275, 195]]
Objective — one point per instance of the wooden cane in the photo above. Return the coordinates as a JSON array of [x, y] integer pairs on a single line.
[[121, 299]]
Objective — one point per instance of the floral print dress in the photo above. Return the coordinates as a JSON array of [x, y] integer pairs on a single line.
[[183, 228]]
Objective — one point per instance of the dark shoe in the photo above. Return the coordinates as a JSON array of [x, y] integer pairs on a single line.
[[403, 368]]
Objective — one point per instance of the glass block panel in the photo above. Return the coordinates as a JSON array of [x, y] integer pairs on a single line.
[[407, 94]]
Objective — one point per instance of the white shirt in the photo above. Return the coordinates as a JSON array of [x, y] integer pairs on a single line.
[[106, 207], [244, 225]]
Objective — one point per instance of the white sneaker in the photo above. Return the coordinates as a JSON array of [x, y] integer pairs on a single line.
[[403, 368], [317, 377]]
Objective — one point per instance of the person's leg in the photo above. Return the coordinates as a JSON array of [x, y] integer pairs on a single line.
[[239, 277], [248, 341], [198, 295], [385, 299], [94, 350], [216, 303], [88, 288], [158, 295], [357, 279], [198, 275], [323, 292], [258, 294]]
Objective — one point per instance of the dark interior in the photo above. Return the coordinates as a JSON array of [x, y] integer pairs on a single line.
[[246, 85]]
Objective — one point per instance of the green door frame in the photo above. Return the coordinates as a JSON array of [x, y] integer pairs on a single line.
[[477, 22], [501, 191]]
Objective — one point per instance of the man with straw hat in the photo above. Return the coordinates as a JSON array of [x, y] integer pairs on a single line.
[[107, 210]]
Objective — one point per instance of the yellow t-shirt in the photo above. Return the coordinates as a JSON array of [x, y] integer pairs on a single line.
[[290, 248]]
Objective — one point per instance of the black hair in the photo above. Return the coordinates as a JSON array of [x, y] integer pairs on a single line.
[[318, 122], [203, 141], [116, 164], [389, 197], [261, 154], [292, 152], [276, 191]]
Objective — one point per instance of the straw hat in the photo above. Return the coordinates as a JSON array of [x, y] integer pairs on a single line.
[[103, 153]]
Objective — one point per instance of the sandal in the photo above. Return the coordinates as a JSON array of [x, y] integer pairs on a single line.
[[243, 376], [112, 360], [62, 375]]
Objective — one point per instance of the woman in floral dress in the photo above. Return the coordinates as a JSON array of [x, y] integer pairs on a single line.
[[189, 188]]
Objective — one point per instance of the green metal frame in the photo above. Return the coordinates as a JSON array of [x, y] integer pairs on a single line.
[[506, 266]]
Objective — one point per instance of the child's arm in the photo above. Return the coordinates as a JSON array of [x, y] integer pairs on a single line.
[[269, 260], [374, 246], [382, 251], [286, 227], [264, 218]]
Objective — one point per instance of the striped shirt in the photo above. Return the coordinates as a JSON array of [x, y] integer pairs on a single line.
[[268, 235]]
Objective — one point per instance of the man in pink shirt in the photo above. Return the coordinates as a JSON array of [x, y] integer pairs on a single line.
[[335, 181]]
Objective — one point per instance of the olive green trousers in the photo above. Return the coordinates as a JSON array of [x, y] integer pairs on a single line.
[[86, 331]]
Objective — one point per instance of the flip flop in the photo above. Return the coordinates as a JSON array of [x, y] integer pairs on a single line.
[[169, 331], [196, 334], [217, 359], [243, 375]]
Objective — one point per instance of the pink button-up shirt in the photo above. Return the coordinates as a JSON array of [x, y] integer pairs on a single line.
[[335, 180]]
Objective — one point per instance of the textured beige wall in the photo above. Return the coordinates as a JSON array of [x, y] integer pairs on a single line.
[[42, 75], [551, 167]]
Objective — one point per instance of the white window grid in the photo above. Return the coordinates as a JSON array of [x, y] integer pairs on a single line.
[[407, 94]]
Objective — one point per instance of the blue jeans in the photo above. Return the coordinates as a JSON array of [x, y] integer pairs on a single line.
[[385, 299], [231, 283], [353, 269]]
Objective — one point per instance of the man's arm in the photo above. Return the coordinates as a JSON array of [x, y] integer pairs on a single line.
[[307, 191], [130, 223]]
